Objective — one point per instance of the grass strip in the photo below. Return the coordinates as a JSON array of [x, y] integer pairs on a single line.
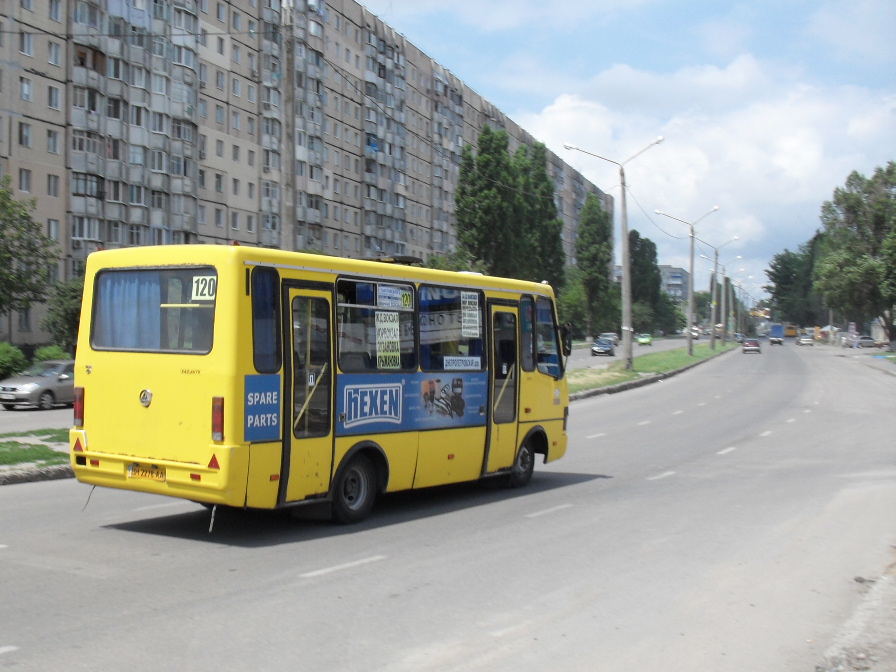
[[15, 452], [655, 362]]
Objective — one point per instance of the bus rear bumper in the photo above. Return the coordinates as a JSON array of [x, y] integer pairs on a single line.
[[207, 484]]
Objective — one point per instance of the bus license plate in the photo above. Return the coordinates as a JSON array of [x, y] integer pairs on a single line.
[[136, 471]]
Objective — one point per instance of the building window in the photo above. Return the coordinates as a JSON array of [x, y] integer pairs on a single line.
[[26, 44], [53, 186], [53, 142], [24, 88], [24, 134], [54, 53], [53, 97]]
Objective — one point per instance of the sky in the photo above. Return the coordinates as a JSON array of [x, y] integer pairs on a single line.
[[765, 107]]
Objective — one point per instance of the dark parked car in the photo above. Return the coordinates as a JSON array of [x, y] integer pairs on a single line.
[[42, 384], [751, 345], [602, 346]]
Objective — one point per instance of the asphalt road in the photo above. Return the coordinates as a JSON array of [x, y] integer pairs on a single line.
[[715, 521]]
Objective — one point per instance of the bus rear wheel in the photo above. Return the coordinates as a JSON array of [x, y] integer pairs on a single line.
[[523, 466], [355, 491]]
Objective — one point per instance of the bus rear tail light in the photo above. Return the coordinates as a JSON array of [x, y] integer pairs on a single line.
[[217, 418], [79, 407]]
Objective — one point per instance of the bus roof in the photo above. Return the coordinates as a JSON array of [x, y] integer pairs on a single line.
[[179, 255]]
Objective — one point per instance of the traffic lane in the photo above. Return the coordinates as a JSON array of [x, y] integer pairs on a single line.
[[780, 491], [607, 556], [22, 419]]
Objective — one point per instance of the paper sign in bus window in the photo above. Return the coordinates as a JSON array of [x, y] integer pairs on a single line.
[[469, 302], [388, 340]]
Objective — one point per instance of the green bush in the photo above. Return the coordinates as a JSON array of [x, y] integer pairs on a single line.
[[12, 360], [50, 352]]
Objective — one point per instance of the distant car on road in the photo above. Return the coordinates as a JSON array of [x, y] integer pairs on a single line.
[[43, 384], [751, 345], [805, 339], [610, 336], [602, 346], [645, 339]]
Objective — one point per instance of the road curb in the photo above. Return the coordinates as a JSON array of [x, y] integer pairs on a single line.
[[32, 474]]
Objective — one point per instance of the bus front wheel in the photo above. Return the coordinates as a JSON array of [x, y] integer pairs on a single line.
[[354, 491], [523, 466]]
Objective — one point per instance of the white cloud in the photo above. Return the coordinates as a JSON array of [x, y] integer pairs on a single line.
[[749, 138]]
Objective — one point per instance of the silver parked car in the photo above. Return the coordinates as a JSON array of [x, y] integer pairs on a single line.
[[43, 384]]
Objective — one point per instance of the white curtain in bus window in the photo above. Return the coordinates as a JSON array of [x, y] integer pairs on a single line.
[[168, 310], [450, 329]]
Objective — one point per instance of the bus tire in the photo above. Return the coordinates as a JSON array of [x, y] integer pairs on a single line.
[[523, 466], [354, 491]]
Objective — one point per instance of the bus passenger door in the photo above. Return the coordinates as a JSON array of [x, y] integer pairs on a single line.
[[308, 452], [504, 383]]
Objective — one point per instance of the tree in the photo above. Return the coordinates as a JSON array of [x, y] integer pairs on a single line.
[[64, 313], [855, 271], [792, 291], [26, 254], [543, 257], [488, 205], [594, 253]]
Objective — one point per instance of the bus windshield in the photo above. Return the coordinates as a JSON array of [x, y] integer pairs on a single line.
[[155, 310]]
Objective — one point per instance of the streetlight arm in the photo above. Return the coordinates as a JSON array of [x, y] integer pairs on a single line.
[[655, 142]]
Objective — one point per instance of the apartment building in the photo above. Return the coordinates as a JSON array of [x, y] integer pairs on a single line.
[[302, 124]]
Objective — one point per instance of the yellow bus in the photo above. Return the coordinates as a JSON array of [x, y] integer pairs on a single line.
[[258, 378]]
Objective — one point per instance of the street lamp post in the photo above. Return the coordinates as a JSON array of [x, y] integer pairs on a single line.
[[691, 276], [626, 262], [715, 278]]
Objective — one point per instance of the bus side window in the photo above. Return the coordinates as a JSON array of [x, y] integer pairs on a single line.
[[266, 319], [548, 345]]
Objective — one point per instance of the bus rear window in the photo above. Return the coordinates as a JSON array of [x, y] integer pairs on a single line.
[[155, 310]]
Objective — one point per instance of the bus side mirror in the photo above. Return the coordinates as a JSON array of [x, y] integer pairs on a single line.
[[566, 337]]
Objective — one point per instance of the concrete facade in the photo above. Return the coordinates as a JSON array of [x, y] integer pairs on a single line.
[[304, 125]]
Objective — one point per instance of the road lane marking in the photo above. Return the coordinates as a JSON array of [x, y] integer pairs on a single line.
[[644, 422], [791, 420], [702, 403], [8, 649], [765, 433], [547, 511], [3, 546], [659, 476], [730, 449], [596, 436], [677, 412], [339, 568]]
